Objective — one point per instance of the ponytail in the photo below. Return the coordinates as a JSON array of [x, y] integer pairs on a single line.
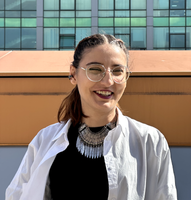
[[71, 108]]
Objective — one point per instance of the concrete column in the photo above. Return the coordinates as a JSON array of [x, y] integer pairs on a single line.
[[39, 28], [94, 28], [149, 24]]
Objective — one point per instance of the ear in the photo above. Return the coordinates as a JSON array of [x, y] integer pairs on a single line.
[[73, 74]]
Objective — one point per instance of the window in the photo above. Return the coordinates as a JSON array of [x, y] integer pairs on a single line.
[[67, 41], [177, 41]]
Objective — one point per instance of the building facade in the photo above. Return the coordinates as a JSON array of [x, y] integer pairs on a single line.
[[61, 24]]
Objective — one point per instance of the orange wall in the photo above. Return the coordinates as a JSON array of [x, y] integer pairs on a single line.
[[27, 104]]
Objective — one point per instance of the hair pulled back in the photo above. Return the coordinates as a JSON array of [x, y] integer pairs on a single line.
[[70, 107]]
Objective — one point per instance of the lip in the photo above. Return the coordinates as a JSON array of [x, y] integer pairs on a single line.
[[102, 96]]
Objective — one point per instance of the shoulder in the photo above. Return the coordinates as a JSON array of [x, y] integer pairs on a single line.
[[147, 135]]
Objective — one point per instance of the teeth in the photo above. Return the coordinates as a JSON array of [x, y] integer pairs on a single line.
[[105, 93]]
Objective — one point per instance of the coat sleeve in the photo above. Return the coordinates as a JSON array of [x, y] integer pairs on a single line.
[[22, 176], [166, 181]]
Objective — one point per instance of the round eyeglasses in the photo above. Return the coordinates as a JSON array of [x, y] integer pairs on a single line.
[[96, 72]]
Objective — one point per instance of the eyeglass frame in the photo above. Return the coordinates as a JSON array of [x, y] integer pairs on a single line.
[[109, 70]]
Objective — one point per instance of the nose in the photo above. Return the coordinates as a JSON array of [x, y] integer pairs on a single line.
[[107, 79]]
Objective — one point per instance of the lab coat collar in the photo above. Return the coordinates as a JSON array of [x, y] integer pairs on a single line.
[[122, 122], [64, 130]]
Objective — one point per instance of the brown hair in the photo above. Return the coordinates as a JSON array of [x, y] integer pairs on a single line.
[[70, 107]]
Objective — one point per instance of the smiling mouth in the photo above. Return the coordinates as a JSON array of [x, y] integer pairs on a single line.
[[104, 93]]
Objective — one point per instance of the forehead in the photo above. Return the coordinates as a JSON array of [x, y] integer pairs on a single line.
[[106, 53]]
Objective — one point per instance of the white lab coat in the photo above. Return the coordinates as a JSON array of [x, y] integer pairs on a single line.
[[137, 159]]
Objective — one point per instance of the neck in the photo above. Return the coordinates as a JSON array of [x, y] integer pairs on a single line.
[[99, 119]]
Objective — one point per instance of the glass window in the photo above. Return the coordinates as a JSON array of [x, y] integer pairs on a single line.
[[121, 13], [177, 29], [161, 13], [188, 21], [83, 22], [188, 37], [106, 5], [2, 38], [83, 13], [12, 14], [67, 41], [105, 21], [12, 5], [1, 13], [138, 22], [28, 4], [51, 5], [188, 13], [82, 33], [177, 4], [177, 41], [28, 39], [138, 38], [12, 39], [66, 5], [65, 31], [138, 13], [122, 31], [51, 22], [188, 4], [105, 30], [51, 37], [122, 4], [83, 4], [177, 13], [1, 22], [160, 21], [122, 22], [138, 4], [67, 22], [106, 14], [12, 22], [177, 21], [29, 14], [67, 14], [1, 5], [125, 39], [161, 37], [28, 22], [51, 13], [161, 4]]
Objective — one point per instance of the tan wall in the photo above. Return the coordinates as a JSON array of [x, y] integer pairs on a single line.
[[27, 104]]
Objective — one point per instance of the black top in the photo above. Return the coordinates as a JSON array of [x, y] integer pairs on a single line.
[[74, 176]]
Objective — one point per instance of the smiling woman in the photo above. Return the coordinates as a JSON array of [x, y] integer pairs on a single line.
[[94, 149]]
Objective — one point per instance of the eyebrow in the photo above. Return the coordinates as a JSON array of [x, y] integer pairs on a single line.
[[97, 63]]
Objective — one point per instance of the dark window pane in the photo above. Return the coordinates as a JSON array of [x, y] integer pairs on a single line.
[[177, 41], [28, 5], [28, 38], [1, 37], [67, 41], [177, 4], [177, 13], [12, 39]]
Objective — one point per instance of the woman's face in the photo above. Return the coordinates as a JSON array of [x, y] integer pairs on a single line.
[[99, 96]]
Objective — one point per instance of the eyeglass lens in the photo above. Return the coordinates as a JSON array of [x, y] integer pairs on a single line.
[[97, 72]]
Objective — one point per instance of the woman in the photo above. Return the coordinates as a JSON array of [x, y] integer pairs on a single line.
[[95, 152]]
